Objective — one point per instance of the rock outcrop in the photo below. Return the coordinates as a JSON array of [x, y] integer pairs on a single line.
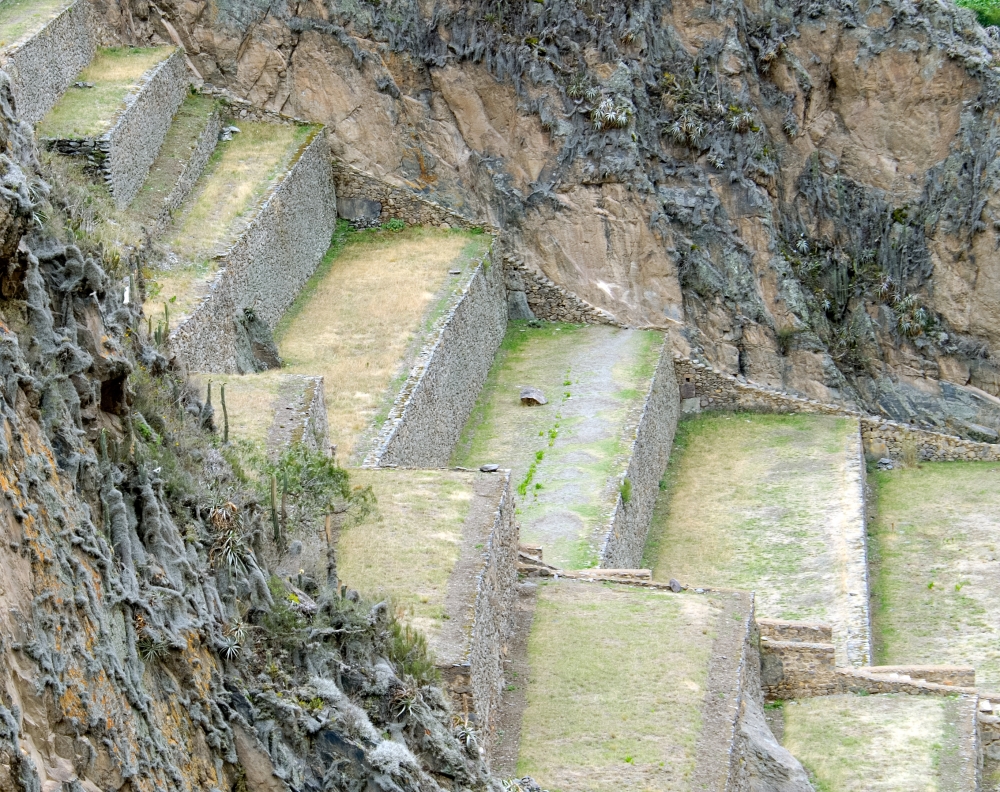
[[802, 191]]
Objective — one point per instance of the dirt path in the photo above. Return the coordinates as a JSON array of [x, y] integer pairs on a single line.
[[773, 504], [567, 455]]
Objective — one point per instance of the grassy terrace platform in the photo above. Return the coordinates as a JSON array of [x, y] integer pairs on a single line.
[[568, 455], [616, 687], [758, 502], [221, 205], [884, 743], [935, 548], [360, 322], [21, 18], [89, 112], [117, 229], [410, 547]]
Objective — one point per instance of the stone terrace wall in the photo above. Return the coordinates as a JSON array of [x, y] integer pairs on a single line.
[[792, 668], [45, 65], [649, 453], [547, 300], [299, 416], [269, 263], [397, 203], [207, 141], [704, 388], [433, 405], [495, 590], [131, 146]]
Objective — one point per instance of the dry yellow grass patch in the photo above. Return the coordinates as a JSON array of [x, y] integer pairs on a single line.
[[884, 743], [408, 548], [222, 204], [358, 325]]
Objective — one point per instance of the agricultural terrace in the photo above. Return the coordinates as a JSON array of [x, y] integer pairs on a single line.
[[222, 204], [886, 743], [766, 503], [87, 112], [360, 323], [935, 545], [616, 687], [410, 548], [567, 456]]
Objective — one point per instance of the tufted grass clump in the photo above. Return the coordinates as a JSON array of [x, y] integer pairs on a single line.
[[987, 11]]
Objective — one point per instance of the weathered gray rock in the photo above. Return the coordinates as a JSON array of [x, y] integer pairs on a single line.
[[532, 397], [770, 767], [979, 433], [517, 306], [359, 209]]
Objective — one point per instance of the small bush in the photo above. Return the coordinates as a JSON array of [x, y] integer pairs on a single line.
[[395, 224], [408, 650], [626, 490]]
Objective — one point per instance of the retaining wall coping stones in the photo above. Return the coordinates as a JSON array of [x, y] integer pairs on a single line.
[[299, 416], [480, 607]]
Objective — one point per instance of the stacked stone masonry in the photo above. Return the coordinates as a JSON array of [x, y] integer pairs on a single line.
[[495, 587], [267, 266], [124, 154], [796, 662], [193, 168], [427, 418], [45, 65], [299, 416], [704, 388], [649, 453], [732, 690], [988, 719], [549, 301], [395, 203]]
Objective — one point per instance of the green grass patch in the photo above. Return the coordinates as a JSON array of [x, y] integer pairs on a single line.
[[987, 11], [934, 545], [88, 112], [567, 456], [616, 687], [746, 503], [20, 17]]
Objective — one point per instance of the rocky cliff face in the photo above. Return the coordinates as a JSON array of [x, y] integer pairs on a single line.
[[143, 645], [803, 192]]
